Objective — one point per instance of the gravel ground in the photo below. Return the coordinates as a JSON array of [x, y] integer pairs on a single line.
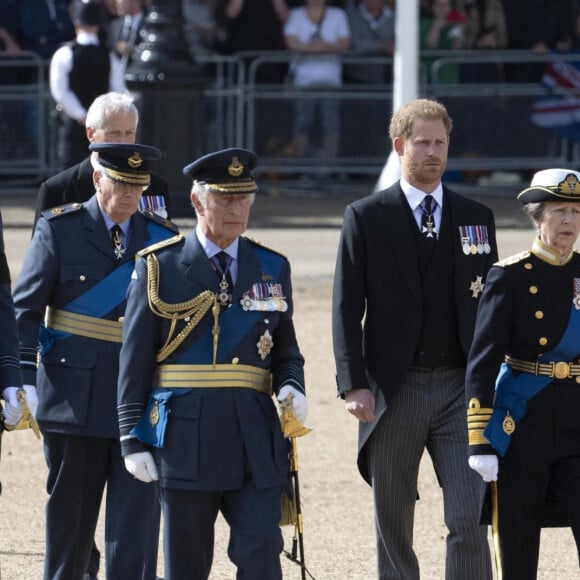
[[336, 503]]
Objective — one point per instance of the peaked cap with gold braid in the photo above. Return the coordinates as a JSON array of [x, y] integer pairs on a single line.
[[227, 172], [552, 185], [126, 162]]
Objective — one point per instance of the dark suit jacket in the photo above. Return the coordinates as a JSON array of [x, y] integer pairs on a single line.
[[75, 184], [377, 278]]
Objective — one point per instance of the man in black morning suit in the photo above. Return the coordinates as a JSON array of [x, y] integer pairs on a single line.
[[111, 118], [406, 291]]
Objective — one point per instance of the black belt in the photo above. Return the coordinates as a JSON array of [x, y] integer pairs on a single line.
[[554, 370]]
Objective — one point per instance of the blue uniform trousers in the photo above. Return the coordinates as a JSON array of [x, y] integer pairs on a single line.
[[78, 469], [255, 536]]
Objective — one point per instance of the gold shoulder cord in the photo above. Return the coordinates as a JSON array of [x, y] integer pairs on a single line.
[[191, 311]]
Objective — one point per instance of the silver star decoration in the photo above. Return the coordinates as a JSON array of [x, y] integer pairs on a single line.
[[429, 229], [119, 252], [477, 287]]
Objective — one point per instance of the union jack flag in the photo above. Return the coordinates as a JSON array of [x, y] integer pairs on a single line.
[[560, 111]]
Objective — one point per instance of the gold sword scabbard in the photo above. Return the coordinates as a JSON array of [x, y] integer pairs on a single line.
[[495, 528]]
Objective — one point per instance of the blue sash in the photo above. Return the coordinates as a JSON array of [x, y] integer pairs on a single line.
[[512, 392], [104, 295], [235, 323]]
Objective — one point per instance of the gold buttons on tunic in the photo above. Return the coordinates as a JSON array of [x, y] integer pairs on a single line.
[[528, 266], [539, 314], [543, 341], [235, 360], [82, 278], [533, 289]]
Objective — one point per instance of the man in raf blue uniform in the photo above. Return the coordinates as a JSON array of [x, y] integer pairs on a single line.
[[208, 338], [70, 296]]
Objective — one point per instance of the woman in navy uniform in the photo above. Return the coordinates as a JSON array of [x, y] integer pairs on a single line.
[[208, 338], [523, 376], [71, 295]]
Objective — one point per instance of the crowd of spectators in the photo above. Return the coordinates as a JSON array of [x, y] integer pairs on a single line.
[[365, 28], [231, 26]]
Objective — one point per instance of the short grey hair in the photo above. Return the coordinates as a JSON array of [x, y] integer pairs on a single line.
[[200, 190], [109, 103], [535, 211]]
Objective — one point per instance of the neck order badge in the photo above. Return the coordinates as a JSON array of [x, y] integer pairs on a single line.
[[222, 263], [428, 228], [118, 246]]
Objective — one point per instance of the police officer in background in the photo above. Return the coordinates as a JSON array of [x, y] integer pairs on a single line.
[[79, 72], [74, 278], [522, 379], [208, 337]]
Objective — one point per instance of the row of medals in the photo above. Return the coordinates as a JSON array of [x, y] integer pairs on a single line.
[[479, 248]]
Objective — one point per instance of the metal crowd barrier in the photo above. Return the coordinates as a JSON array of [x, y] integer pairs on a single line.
[[245, 105], [25, 125]]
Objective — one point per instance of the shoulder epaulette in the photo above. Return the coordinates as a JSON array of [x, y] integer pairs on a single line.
[[162, 244], [61, 210], [514, 259], [150, 215], [258, 243]]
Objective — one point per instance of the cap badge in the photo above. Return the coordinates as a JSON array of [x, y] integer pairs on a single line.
[[135, 160], [235, 168], [570, 185]]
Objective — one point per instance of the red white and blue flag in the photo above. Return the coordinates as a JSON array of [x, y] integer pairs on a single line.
[[560, 111]]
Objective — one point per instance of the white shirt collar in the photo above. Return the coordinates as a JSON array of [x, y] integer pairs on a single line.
[[415, 196], [85, 38]]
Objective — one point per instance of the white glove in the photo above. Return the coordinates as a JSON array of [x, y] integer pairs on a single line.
[[12, 410], [31, 398], [141, 466], [299, 403], [485, 465]]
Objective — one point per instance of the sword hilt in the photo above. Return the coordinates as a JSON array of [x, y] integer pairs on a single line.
[[27, 419]]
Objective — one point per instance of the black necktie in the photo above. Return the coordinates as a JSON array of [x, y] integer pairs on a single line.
[[118, 247], [428, 229], [225, 278]]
